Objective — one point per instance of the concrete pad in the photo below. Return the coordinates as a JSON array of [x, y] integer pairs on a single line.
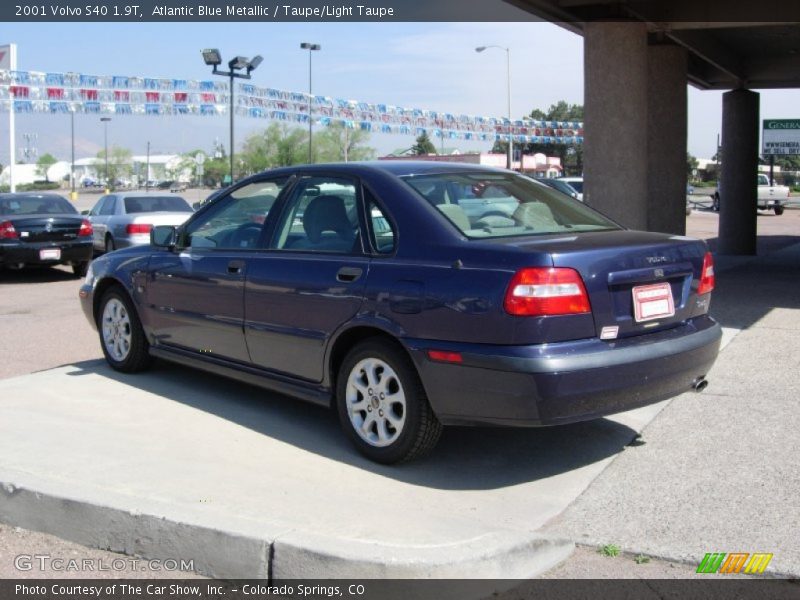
[[716, 472], [177, 464]]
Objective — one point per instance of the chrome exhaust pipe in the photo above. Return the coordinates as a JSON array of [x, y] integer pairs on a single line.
[[699, 384]]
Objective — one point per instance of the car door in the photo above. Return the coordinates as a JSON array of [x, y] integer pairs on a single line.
[[99, 217], [195, 294], [310, 280]]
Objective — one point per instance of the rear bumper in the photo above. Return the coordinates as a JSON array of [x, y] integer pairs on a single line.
[[28, 254], [566, 382]]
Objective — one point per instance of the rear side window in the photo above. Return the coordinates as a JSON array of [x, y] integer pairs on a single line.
[[381, 229], [148, 204], [321, 216], [487, 205]]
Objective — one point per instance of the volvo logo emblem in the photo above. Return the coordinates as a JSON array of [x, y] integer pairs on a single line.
[[658, 272], [49, 227]]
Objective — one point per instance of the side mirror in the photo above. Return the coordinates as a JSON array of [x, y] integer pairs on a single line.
[[164, 236]]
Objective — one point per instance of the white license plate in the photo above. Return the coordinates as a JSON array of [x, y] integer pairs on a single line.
[[50, 254], [653, 302]]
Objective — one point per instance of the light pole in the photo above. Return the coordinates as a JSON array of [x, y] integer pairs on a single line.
[[311, 48], [73, 194], [509, 160], [105, 121], [213, 58], [147, 170]]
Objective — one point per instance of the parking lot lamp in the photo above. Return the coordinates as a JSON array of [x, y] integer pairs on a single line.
[[509, 160], [213, 58], [311, 48]]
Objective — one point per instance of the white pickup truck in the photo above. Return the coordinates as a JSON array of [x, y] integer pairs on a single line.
[[770, 197]]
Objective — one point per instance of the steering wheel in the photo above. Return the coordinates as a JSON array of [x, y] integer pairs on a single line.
[[245, 236]]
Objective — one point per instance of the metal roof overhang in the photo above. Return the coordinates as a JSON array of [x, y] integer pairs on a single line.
[[731, 45]]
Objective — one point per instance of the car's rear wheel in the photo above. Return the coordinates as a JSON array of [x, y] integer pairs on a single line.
[[778, 210], [80, 268], [110, 245], [121, 335], [382, 405]]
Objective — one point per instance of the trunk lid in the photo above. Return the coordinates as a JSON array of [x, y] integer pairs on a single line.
[[664, 270], [47, 228]]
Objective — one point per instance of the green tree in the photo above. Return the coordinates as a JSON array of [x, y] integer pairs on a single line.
[[43, 164], [276, 146], [423, 145], [571, 156], [337, 143], [691, 165], [120, 164]]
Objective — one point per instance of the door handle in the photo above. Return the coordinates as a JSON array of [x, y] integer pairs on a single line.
[[235, 267], [348, 274]]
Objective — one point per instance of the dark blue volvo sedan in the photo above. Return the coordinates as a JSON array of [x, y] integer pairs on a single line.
[[370, 288]]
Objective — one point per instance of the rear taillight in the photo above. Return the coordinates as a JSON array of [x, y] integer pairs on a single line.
[[707, 275], [86, 228], [541, 291], [138, 228], [7, 231]]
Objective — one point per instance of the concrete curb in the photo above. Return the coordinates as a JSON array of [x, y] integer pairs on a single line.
[[241, 550]]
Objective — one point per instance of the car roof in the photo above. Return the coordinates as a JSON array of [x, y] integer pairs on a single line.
[[43, 196], [397, 168]]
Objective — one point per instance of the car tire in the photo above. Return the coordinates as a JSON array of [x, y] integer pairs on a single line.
[[80, 268], [394, 424], [121, 335], [778, 210], [110, 245]]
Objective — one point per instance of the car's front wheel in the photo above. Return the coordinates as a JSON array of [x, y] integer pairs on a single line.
[[778, 210], [121, 335], [382, 405]]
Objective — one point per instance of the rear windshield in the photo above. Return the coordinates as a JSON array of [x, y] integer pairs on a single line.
[[486, 205], [576, 185], [146, 204], [36, 205]]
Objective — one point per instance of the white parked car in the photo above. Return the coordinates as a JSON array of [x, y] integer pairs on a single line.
[[124, 219], [575, 183]]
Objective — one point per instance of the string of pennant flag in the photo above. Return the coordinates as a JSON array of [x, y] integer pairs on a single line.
[[54, 93]]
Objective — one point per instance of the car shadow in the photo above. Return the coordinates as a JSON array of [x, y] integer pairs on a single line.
[[31, 275], [465, 458]]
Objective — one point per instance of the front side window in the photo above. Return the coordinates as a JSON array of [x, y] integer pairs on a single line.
[[108, 207], [487, 205], [235, 220], [322, 216]]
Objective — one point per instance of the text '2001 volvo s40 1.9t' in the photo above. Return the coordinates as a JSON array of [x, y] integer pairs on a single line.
[[370, 287]]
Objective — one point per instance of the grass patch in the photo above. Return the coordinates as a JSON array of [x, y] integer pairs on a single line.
[[641, 559], [609, 550]]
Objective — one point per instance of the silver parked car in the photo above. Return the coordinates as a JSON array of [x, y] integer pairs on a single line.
[[124, 219]]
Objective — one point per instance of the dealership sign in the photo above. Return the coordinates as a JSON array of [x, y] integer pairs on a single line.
[[781, 137]]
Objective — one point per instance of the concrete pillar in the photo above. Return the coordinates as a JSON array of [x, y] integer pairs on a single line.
[[615, 123], [666, 139], [737, 212]]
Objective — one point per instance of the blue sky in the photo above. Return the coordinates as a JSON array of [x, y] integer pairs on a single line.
[[424, 65]]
